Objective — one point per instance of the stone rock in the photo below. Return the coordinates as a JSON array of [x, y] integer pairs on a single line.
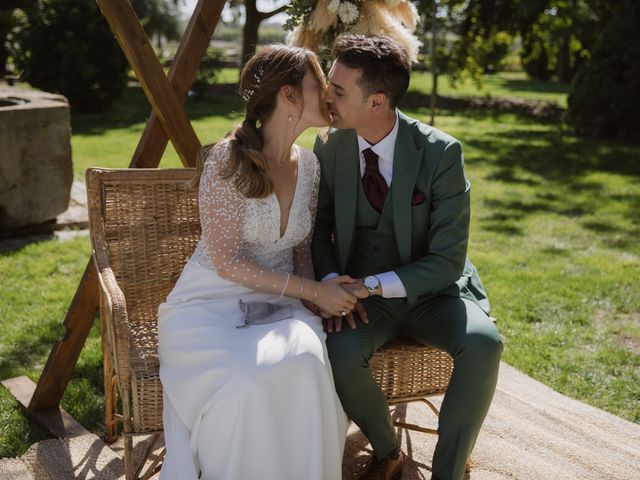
[[36, 170]]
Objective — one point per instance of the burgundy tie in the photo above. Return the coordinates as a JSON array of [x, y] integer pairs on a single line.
[[375, 187]]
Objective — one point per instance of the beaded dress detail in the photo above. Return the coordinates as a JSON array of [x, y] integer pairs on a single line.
[[241, 236]]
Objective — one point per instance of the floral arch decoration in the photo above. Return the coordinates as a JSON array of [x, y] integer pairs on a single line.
[[315, 24]]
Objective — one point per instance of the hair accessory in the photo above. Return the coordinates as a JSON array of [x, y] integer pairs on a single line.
[[246, 95]]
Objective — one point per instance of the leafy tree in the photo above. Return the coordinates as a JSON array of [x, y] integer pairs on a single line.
[[557, 35], [160, 19], [9, 19], [558, 40], [67, 46], [604, 100]]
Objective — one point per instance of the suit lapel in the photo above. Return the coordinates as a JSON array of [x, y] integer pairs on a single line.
[[406, 165], [346, 194]]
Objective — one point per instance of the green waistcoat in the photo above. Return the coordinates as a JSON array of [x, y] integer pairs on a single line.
[[375, 246]]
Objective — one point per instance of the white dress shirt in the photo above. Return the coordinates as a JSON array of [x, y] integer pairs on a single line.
[[391, 284]]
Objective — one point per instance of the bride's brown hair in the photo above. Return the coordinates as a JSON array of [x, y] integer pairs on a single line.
[[261, 79]]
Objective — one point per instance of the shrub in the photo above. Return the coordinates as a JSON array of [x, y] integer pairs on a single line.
[[67, 47], [604, 100], [535, 58], [208, 72]]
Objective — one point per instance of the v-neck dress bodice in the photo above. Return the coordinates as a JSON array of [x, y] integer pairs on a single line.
[[255, 222]]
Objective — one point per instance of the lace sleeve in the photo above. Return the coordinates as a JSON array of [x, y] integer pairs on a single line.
[[302, 261], [221, 211]]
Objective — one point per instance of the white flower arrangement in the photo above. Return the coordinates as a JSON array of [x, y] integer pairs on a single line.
[[348, 13], [333, 5], [315, 24]]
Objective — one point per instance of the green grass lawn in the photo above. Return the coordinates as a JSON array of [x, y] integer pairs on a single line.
[[555, 223], [503, 84]]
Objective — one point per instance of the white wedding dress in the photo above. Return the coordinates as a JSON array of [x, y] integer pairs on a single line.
[[255, 402]]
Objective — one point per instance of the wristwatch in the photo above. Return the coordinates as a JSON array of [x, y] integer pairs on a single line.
[[372, 284]]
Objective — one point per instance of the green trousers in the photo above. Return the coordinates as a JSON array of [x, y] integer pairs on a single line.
[[456, 325]]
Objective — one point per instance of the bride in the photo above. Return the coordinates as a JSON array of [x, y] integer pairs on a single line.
[[248, 390]]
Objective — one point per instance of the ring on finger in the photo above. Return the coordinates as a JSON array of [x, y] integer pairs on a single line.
[[343, 313]]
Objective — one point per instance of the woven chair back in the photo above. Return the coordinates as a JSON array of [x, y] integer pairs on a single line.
[[147, 222]]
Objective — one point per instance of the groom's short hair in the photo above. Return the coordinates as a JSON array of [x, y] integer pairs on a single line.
[[384, 65]]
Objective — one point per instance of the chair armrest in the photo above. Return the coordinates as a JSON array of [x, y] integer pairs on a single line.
[[114, 307]]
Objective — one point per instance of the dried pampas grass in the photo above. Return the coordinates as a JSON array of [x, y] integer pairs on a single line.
[[395, 18]]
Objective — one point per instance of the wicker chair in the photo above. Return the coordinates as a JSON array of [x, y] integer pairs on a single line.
[[144, 224], [410, 372]]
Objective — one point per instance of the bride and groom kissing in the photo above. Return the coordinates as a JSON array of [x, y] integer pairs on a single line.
[[308, 262]]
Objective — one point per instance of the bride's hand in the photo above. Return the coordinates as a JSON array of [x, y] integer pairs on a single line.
[[333, 299]]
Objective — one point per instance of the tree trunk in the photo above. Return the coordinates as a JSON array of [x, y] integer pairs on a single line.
[[564, 58], [253, 19], [250, 30], [4, 56], [434, 64]]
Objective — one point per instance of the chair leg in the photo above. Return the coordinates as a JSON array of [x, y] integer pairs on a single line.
[[129, 467], [140, 473], [418, 428], [156, 463], [110, 389]]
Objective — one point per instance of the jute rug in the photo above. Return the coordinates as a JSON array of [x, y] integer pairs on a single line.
[[531, 433]]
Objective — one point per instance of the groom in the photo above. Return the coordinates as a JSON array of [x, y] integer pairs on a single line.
[[393, 211]]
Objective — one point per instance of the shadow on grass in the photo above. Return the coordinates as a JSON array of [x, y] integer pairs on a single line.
[[133, 109], [553, 168], [556, 155], [519, 86]]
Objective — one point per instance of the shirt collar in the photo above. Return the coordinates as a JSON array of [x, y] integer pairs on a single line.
[[385, 147]]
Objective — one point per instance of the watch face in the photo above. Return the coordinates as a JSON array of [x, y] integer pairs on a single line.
[[371, 283]]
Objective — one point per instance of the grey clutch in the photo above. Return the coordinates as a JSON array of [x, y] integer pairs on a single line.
[[260, 313]]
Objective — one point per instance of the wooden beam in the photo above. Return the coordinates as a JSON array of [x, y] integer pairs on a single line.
[[183, 71], [136, 47], [53, 419], [65, 352]]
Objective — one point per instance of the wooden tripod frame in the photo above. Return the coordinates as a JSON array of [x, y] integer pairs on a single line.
[[168, 121]]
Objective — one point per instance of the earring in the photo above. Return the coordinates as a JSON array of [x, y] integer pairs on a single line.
[[289, 118]]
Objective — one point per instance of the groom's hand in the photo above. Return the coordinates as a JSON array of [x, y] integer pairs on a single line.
[[357, 288], [335, 323]]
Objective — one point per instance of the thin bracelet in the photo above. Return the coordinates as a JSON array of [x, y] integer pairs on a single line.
[[286, 284], [315, 293], [301, 288]]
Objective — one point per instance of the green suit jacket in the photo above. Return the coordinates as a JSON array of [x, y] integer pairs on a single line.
[[432, 237]]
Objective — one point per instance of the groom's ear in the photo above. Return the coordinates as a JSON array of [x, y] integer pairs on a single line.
[[378, 101]]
